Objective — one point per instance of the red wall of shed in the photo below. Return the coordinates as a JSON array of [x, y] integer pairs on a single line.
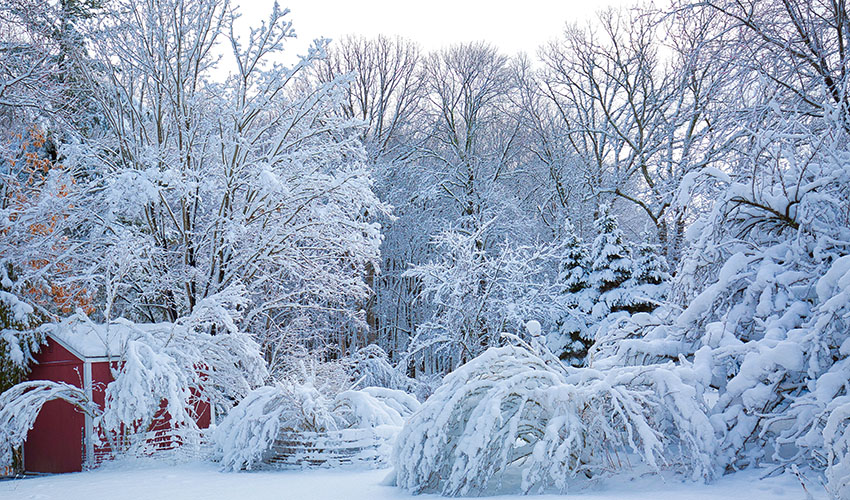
[[55, 443]]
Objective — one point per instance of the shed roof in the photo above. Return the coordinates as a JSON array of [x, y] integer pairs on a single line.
[[92, 340]]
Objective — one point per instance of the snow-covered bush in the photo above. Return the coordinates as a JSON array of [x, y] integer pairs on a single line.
[[821, 417], [374, 406], [762, 303], [836, 440], [251, 427], [249, 431], [20, 405], [370, 367], [510, 407]]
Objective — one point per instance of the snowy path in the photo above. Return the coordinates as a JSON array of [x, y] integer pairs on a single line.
[[205, 482]]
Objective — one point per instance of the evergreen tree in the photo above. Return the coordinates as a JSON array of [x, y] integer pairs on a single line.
[[574, 264], [19, 337], [648, 285], [611, 265], [572, 339]]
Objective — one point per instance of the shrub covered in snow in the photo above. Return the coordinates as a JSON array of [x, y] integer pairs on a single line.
[[371, 367], [250, 428], [177, 364], [762, 313], [249, 431], [373, 407], [511, 407]]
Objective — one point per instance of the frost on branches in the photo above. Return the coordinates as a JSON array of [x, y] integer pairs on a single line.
[[511, 408]]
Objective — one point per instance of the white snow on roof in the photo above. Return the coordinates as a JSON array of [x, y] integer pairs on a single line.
[[93, 340]]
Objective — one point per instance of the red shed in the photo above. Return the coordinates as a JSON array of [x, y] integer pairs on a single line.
[[79, 353]]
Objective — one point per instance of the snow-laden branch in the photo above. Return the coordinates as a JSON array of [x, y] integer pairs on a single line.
[[508, 407]]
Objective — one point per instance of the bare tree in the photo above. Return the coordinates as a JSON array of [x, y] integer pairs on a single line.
[[798, 46], [474, 138], [385, 92], [641, 114]]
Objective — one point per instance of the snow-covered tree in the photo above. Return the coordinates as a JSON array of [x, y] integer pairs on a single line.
[[371, 367], [513, 408], [648, 284], [20, 337], [199, 184], [610, 265], [574, 265], [476, 296], [638, 123], [572, 339]]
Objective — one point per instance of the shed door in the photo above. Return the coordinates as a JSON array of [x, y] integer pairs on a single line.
[[55, 443]]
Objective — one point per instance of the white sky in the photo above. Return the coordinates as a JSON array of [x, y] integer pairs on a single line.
[[513, 27]]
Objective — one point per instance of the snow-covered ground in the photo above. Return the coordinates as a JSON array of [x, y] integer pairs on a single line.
[[205, 482]]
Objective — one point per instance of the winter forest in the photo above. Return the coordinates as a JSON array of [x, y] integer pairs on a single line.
[[624, 255]]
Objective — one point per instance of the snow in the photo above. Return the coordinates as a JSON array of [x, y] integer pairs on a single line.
[[93, 340], [20, 309], [133, 480]]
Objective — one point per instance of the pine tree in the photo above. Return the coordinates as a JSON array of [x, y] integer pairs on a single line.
[[572, 340], [19, 336], [611, 265], [648, 285], [574, 265]]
